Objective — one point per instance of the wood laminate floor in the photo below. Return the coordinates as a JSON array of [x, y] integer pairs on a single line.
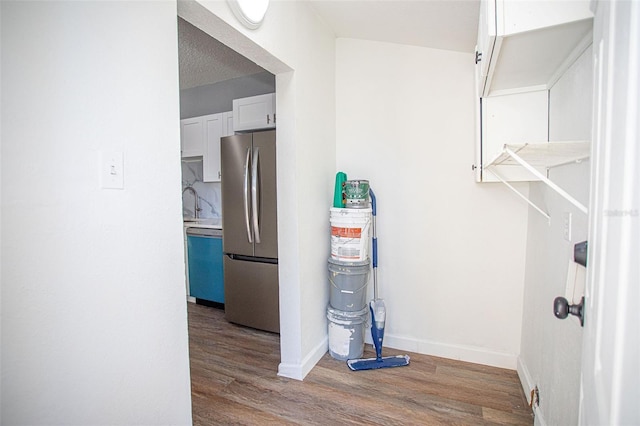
[[234, 381]]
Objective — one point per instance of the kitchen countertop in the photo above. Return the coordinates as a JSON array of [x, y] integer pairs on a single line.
[[214, 223]]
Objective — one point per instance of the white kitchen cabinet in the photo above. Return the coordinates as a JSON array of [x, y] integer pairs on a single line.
[[227, 123], [200, 137], [191, 137], [212, 125], [254, 113], [528, 44]]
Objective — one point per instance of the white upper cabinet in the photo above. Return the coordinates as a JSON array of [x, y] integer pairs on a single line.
[[524, 47], [227, 123], [200, 137], [191, 137], [254, 113], [211, 160], [528, 44]]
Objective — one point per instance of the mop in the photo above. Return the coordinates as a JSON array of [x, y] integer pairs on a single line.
[[378, 313]]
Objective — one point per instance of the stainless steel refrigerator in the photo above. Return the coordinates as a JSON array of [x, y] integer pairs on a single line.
[[249, 230]]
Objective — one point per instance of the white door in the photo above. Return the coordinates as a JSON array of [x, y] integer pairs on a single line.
[[610, 385]]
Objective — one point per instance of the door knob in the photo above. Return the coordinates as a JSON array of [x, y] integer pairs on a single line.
[[562, 309]]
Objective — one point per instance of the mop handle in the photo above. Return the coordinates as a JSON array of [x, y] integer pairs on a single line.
[[374, 244]]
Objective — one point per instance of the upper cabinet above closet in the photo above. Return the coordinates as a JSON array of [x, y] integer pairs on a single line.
[[526, 45]]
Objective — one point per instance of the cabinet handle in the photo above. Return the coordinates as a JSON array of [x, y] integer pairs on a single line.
[[267, 118], [478, 57], [219, 175], [274, 118]]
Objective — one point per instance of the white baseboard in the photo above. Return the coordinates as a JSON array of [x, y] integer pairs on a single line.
[[527, 384], [459, 352], [472, 354], [525, 379], [300, 371]]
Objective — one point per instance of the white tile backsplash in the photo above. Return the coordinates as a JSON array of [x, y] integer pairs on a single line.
[[209, 193]]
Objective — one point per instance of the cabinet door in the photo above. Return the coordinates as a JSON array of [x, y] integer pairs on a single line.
[[191, 137], [486, 41], [253, 113], [227, 123], [528, 44], [211, 159]]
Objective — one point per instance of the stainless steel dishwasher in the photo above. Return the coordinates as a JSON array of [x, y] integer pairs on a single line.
[[206, 278]]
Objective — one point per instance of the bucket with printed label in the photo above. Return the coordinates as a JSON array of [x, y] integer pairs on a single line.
[[350, 234], [348, 281], [346, 333]]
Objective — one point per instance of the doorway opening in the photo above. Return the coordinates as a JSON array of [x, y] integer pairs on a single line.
[[212, 74]]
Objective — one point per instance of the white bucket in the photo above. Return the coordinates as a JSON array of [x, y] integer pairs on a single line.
[[350, 234], [346, 333]]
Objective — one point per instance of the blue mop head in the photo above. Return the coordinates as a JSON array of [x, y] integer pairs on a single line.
[[375, 363]]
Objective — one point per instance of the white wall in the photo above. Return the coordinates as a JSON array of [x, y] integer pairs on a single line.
[[94, 325], [295, 45], [451, 251], [551, 348]]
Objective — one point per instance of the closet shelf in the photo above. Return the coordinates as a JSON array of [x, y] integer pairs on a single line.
[[541, 155], [551, 154]]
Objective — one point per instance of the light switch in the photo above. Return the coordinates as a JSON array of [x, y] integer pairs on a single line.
[[112, 170], [566, 226]]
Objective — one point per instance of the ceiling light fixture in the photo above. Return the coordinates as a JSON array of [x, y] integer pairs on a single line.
[[249, 12]]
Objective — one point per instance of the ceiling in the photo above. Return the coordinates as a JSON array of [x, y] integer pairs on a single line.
[[438, 24], [204, 60]]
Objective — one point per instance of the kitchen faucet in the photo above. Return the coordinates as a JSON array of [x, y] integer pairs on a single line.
[[196, 206]]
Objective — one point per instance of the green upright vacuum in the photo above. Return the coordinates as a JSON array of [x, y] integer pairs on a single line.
[[378, 314]]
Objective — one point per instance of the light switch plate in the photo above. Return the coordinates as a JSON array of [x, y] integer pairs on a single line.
[[566, 226], [112, 170]]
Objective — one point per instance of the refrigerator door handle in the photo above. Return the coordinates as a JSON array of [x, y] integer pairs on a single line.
[[246, 195], [255, 194]]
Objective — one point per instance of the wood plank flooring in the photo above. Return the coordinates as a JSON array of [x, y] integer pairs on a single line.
[[234, 381]]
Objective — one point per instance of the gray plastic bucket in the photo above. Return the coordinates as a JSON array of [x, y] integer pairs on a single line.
[[346, 333], [348, 282]]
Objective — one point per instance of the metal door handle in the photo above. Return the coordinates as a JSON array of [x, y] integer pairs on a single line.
[[245, 194], [562, 309], [254, 194]]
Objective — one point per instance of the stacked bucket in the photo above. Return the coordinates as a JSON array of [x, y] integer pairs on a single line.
[[349, 268]]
